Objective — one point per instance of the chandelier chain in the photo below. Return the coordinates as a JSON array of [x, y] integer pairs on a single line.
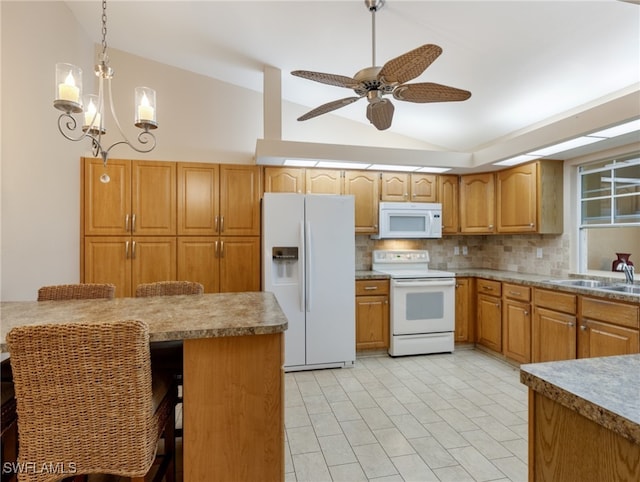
[[104, 29]]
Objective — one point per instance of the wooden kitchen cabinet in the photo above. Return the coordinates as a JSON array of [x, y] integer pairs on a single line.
[[529, 198], [218, 199], [554, 326], [448, 186], [465, 308], [284, 179], [222, 264], [324, 181], [516, 322], [128, 261], [372, 314], [607, 328], [489, 314], [413, 187], [477, 203], [364, 186], [139, 198]]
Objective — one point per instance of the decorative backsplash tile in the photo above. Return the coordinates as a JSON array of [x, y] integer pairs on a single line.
[[505, 252]]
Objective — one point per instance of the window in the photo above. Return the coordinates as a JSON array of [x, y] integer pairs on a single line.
[[609, 212]]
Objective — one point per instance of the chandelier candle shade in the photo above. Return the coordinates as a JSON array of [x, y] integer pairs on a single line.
[[69, 99]]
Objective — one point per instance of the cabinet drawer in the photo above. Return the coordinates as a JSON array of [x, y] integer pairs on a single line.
[[516, 292], [372, 287], [554, 300], [489, 287], [604, 310]]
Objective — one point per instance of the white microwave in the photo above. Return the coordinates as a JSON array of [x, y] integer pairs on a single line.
[[409, 220]]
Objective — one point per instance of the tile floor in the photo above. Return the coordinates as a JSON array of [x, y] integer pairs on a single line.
[[451, 417]]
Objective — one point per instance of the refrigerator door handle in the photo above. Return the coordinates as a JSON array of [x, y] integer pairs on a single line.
[[309, 256], [301, 270]]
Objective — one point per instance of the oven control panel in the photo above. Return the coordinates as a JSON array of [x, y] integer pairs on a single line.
[[401, 256]]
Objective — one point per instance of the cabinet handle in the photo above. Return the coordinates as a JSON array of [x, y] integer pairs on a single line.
[[126, 250], [215, 249], [126, 223], [133, 250], [515, 293], [215, 227], [133, 222], [221, 223], [487, 288], [222, 249], [370, 287]]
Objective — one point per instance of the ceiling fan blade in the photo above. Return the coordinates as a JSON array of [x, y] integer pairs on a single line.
[[328, 107], [429, 92], [380, 114], [410, 65], [330, 79]]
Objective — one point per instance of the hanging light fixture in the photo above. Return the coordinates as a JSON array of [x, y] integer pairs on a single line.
[[69, 99]]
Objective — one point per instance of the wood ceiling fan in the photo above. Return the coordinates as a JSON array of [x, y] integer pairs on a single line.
[[375, 82]]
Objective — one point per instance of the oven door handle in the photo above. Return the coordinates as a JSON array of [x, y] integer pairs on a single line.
[[417, 283]]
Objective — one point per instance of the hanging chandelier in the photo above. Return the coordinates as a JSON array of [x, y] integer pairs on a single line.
[[69, 99]]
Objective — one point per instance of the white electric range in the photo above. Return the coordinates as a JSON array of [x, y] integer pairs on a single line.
[[422, 304]]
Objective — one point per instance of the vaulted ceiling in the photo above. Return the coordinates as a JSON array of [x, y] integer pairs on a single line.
[[526, 63]]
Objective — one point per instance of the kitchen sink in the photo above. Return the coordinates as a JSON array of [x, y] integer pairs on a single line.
[[585, 283], [623, 288]]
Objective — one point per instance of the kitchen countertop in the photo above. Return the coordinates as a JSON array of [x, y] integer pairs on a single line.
[[604, 390], [169, 317], [538, 281]]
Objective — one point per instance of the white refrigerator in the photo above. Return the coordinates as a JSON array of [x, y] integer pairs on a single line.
[[308, 258]]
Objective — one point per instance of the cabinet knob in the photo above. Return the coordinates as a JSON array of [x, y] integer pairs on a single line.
[[531, 225], [490, 227], [571, 324], [526, 313], [583, 327]]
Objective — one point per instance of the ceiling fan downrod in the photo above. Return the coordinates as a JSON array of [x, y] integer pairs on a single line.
[[373, 6]]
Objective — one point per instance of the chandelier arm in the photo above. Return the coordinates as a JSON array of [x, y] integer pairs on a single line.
[[68, 123]]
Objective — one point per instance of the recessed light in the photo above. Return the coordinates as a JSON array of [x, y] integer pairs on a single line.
[[342, 165], [565, 146], [299, 163], [618, 130], [392, 167], [434, 169], [515, 160]]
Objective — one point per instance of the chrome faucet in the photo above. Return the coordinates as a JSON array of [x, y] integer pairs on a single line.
[[628, 272]]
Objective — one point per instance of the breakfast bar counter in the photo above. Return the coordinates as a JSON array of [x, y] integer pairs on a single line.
[[584, 419], [233, 383]]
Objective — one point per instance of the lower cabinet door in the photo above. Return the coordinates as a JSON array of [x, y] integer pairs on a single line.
[[152, 259], [554, 336], [372, 322], [604, 339], [516, 331], [107, 260], [198, 261], [489, 332]]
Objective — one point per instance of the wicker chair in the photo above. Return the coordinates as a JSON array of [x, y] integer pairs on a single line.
[[80, 291], [167, 288], [87, 400]]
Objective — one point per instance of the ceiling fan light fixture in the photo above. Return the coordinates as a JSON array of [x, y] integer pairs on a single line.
[[374, 82]]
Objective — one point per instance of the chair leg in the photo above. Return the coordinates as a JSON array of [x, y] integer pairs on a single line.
[[170, 444]]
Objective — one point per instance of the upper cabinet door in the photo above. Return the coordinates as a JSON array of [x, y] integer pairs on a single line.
[[198, 196], [477, 205], [240, 192], [323, 181], [153, 198], [364, 185], [394, 186], [448, 197], [284, 179], [107, 205], [423, 188], [517, 199]]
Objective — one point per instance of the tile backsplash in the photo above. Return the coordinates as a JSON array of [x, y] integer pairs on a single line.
[[505, 252]]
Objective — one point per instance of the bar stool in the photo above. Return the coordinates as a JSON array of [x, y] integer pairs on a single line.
[[79, 291], [87, 400]]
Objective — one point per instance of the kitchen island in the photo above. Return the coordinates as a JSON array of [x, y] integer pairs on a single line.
[[584, 419], [233, 386]]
